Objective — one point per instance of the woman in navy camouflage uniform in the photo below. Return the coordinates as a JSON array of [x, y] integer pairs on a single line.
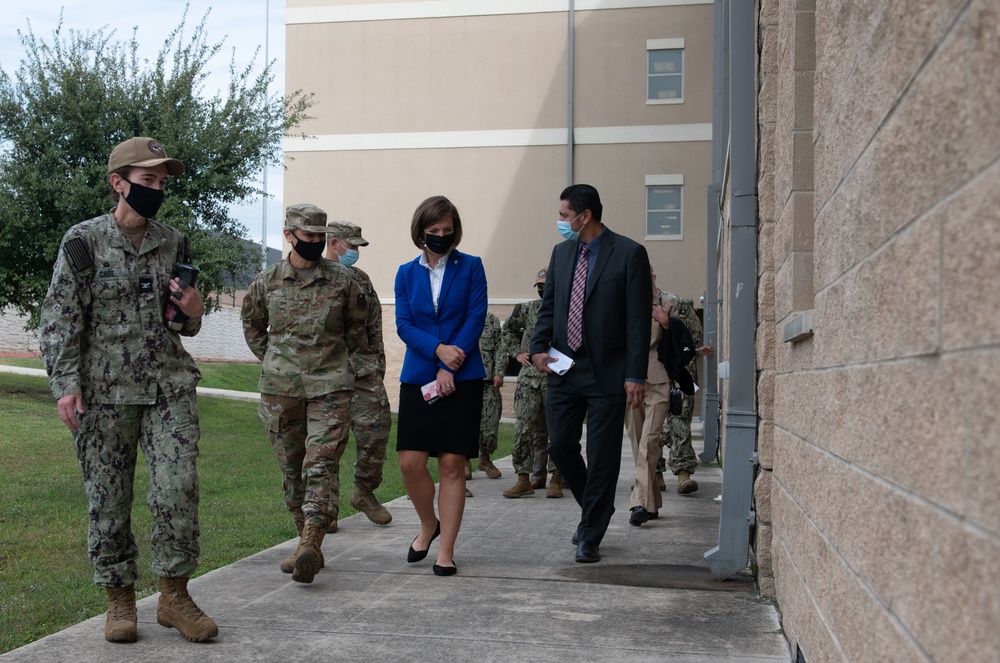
[[123, 380]]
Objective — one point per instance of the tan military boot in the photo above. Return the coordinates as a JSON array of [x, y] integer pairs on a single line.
[[309, 554], [660, 482], [486, 465], [685, 484], [122, 624], [331, 527], [300, 521], [367, 503], [288, 564], [555, 486], [178, 610], [468, 469], [520, 489]]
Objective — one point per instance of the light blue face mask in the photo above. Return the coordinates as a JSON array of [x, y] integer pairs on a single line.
[[566, 228], [350, 257]]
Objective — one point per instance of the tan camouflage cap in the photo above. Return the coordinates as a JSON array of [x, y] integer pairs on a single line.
[[540, 279], [347, 231], [142, 152], [307, 217]]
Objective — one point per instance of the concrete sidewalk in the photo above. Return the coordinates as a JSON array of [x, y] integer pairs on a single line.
[[518, 595]]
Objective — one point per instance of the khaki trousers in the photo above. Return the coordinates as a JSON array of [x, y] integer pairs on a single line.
[[644, 425]]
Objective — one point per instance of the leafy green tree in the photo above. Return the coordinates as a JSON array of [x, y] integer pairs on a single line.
[[74, 98]]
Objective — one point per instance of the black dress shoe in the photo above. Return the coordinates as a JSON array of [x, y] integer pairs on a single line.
[[445, 570], [653, 515], [639, 516], [576, 536], [417, 555], [587, 553]]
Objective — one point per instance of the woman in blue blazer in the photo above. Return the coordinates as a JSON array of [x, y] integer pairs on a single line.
[[440, 312]]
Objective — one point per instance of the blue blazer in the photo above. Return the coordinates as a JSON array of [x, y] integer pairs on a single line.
[[459, 319]]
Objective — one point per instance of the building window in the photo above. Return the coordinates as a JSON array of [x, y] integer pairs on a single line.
[[664, 71], [664, 206]]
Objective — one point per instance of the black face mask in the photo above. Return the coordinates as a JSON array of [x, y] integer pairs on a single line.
[[311, 251], [439, 244], [145, 201]]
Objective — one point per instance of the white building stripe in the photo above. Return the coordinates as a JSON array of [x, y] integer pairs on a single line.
[[394, 11], [430, 140]]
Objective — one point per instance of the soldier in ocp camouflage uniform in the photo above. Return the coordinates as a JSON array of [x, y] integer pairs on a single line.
[[494, 362], [676, 433], [530, 432], [370, 416], [123, 380], [304, 317]]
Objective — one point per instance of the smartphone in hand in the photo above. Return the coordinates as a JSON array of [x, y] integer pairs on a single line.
[[430, 392]]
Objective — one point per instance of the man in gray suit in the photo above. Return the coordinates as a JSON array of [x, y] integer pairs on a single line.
[[595, 309]]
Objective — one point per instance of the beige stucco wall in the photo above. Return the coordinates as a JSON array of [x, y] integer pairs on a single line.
[[391, 80], [881, 429]]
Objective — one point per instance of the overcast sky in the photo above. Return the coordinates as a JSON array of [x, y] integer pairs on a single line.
[[242, 24]]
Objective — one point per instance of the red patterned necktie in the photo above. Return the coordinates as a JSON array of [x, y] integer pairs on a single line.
[[574, 322]]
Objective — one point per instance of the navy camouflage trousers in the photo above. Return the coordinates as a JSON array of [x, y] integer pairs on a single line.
[[106, 443]]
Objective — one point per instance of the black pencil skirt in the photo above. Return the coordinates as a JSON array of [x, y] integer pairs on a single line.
[[449, 425]]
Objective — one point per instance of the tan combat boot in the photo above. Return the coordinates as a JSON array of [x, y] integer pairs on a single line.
[[122, 623], [520, 489], [288, 564], [486, 465], [309, 554], [300, 521], [660, 482], [555, 486], [367, 503], [177, 609], [331, 527], [685, 484]]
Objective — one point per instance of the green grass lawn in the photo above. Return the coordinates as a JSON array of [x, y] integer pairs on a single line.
[[46, 580]]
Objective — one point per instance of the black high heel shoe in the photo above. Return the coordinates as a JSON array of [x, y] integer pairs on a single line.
[[417, 555], [445, 570]]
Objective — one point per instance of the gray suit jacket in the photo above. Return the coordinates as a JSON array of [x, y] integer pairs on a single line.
[[616, 310]]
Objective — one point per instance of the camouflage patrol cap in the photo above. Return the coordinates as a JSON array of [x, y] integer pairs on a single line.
[[307, 217], [347, 231], [142, 152], [540, 279]]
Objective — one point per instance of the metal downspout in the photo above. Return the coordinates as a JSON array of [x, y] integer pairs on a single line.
[[569, 101], [737, 517], [720, 125]]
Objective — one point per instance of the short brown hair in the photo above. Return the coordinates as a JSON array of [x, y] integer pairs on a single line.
[[429, 212]]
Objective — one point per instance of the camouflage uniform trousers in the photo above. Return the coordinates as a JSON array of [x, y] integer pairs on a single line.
[[106, 448], [307, 435], [676, 436], [490, 423], [370, 421], [529, 434]]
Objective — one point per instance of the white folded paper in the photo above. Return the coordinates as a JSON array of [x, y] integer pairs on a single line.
[[562, 363]]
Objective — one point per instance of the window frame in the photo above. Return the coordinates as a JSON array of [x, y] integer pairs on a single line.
[[659, 181], [676, 44]]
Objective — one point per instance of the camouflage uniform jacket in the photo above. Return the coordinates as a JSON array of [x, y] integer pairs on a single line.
[[516, 333], [307, 332], [372, 358], [491, 348], [687, 315], [102, 331]]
